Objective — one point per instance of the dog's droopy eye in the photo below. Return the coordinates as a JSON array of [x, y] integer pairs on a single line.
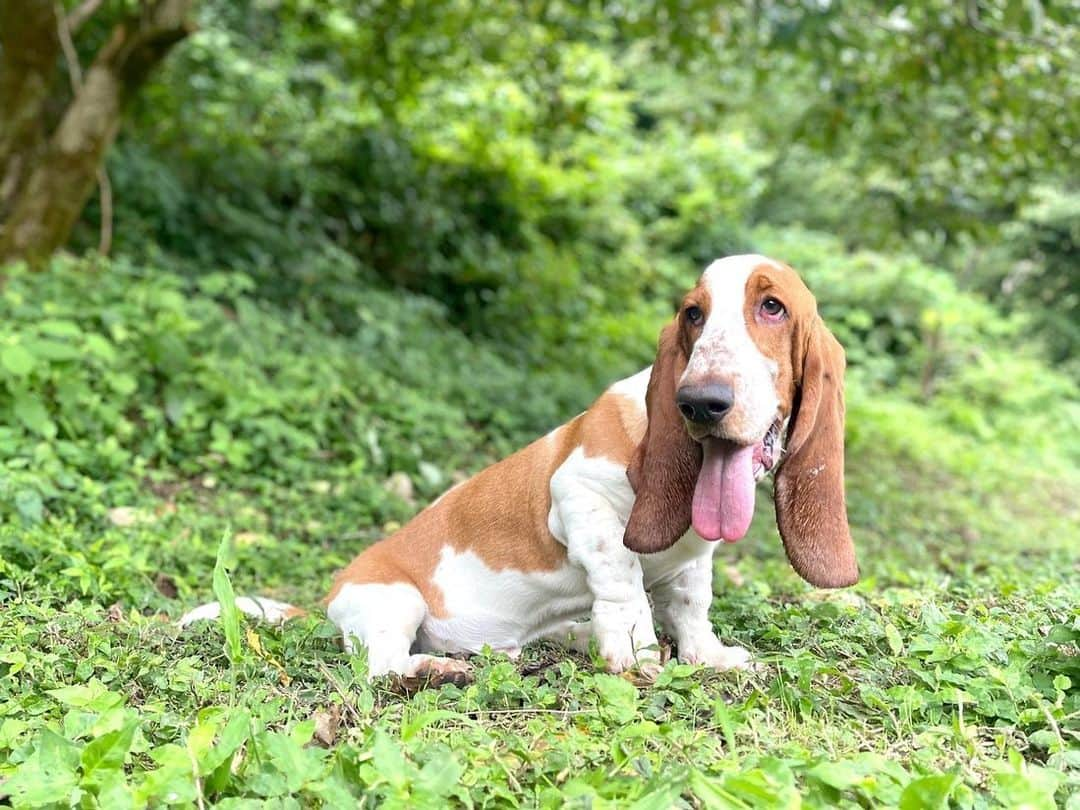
[[694, 315], [772, 310]]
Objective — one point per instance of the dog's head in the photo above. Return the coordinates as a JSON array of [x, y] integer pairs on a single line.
[[747, 380]]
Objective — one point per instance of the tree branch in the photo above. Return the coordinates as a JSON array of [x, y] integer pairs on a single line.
[[75, 76], [971, 12], [84, 12]]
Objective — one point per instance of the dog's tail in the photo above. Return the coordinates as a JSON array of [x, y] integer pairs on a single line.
[[268, 610]]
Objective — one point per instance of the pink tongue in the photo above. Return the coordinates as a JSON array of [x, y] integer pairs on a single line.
[[724, 496]]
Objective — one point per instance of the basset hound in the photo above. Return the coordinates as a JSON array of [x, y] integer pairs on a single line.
[[570, 537]]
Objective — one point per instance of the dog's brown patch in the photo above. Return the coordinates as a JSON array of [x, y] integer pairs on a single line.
[[501, 513]]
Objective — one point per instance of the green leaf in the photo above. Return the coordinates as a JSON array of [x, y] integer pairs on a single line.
[[52, 349], [17, 360], [929, 792], [334, 791], [840, 775], [440, 774], [107, 752], [223, 590], [722, 715], [892, 635], [113, 791], [57, 752], [710, 792], [424, 719], [659, 799], [618, 696], [100, 346], [1029, 786], [59, 327], [390, 760], [288, 756], [47, 777], [79, 695], [31, 411], [123, 384], [235, 734], [173, 781], [29, 505]]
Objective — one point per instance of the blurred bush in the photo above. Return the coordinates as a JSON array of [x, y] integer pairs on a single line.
[[396, 233], [111, 373]]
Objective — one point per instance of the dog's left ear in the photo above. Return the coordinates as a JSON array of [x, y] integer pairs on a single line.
[[665, 466], [811, 512]]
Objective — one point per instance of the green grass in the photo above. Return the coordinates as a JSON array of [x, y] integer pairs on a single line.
[[947, 678]]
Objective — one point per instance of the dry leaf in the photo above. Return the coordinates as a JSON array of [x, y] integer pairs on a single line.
[[326, 725], [166, 586], [734, 576]]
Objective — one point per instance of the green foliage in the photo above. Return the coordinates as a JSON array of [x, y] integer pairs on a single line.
[[948, 672], [131, 371], [364, 248], [899, 694]]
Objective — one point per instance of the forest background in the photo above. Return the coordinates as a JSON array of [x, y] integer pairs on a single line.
[[280, 271]]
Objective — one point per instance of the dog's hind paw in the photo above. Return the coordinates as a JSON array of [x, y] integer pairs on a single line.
[[425, 671]]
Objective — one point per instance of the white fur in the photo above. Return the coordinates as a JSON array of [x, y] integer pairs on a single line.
[[269, 610], [384, 619], [504, 610], [725, 351], [591, 498], [602, 592], [633, 387], [591, 502]]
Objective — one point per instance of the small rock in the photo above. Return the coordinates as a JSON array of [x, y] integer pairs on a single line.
[[166, 586], [401, 485], [125, 516]]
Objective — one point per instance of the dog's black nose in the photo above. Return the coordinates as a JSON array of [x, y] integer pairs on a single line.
[[705, 404]]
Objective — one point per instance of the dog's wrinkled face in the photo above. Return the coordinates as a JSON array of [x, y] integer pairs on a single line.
[[735, 395], [746, 365], [737, 327]]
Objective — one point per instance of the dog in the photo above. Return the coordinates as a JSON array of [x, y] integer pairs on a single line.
[[568, 538]]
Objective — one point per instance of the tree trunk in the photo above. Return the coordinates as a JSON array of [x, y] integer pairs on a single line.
[[29, 49], [57, 187]]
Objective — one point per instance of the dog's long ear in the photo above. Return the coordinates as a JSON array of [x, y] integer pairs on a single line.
[[665, 465], [811, 512]]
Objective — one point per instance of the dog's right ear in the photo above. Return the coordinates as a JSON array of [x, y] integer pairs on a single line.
[[665, 466]]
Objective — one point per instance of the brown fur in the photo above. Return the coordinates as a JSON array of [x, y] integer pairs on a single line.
[[665, 467], [811, 512], [501, 513], [809, 488]]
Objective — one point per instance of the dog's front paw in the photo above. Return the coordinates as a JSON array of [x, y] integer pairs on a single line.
[[709, 651], [624, 657]]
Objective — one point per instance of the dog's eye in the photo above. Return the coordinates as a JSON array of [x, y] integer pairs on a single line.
[[772, 309], [694, 315]]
